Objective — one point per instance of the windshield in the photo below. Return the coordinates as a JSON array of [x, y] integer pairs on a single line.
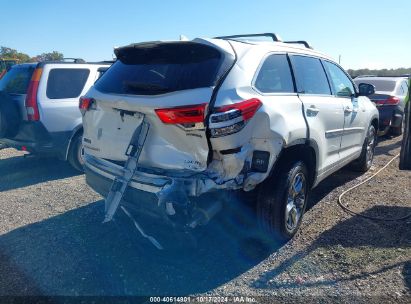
[[16, 80], [162, 68]]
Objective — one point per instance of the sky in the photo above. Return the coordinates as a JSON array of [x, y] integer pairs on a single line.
[[366, 34]]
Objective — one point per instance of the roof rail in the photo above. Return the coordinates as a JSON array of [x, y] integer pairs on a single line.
[[305, 43], [271, 35], [75, 60]]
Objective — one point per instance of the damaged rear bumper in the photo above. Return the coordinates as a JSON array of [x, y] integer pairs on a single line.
[[100, 173], [161, 196]]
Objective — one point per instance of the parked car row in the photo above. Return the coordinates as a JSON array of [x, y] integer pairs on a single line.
[[171, 123]]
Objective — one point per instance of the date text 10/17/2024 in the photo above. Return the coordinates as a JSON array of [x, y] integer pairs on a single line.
[[204, 299]]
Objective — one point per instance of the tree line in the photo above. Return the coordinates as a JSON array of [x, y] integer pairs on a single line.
[[9, 53]]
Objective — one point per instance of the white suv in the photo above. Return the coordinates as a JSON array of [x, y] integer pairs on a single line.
[[225, 113]]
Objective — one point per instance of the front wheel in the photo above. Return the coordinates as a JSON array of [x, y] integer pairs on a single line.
[[281, 203]]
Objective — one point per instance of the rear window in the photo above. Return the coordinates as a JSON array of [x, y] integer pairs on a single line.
[[66, 83], [152, 69], [275, 76], [16, 80], [379, 84]]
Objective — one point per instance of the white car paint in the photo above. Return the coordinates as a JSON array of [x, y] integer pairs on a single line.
[[282, 120]]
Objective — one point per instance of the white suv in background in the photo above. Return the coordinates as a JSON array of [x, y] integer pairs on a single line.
[[39, 107], [224, 114]]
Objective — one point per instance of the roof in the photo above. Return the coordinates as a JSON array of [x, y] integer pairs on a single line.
[[387, 78]]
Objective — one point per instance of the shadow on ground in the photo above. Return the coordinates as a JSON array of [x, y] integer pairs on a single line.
[[386, 149], [20, 171], [74, 254]]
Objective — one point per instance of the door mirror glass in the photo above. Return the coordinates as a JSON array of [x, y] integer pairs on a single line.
[[366, 89]]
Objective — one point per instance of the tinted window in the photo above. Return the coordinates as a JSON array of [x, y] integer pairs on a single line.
[[16, 80], [161, 68], [310, 75], [340, 82], [66, 83], [275, 75], [380, 84]]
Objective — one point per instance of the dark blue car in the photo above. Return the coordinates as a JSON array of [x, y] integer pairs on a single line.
[[389, 97]]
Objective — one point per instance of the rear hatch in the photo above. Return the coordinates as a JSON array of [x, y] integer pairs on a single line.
[[171, 85], [15, 82]]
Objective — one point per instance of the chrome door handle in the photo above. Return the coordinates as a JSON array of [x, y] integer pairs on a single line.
[[312, 110], [348, 110]]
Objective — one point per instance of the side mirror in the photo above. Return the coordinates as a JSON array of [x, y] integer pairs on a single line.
[[366, 89]]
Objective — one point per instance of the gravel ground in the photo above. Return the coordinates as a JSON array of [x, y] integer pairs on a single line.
[[52, 242]]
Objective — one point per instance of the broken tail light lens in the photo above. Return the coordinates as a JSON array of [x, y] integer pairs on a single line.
[[231, 119], [182, 115], [85, 104]]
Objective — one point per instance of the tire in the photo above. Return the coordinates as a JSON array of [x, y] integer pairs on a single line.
[[74, 155], [276, 213], [397, 131], [9, 116], [364, 162]]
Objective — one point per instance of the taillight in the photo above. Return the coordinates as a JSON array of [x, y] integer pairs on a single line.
[[85, 104], [182, 115], [31, 97], [391, 100], [232, 118]]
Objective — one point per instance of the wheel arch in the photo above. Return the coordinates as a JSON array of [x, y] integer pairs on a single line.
[[77, 130], [306, 151]]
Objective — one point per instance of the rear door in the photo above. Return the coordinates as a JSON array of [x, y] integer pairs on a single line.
[[171, 85], [15, 82], [323, 112], [355, 124]]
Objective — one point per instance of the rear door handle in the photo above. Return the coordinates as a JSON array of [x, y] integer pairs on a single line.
[[312, 110], [348, 110]]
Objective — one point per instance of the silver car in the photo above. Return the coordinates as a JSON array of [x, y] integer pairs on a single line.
[[39, 107]]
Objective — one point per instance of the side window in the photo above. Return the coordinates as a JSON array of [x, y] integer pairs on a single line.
[[66, 83], [310, 75], [275, 75], [342, 85]]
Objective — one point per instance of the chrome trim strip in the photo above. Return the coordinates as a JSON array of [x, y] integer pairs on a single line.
[[142, 181], [334, 133], [342, 132]]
